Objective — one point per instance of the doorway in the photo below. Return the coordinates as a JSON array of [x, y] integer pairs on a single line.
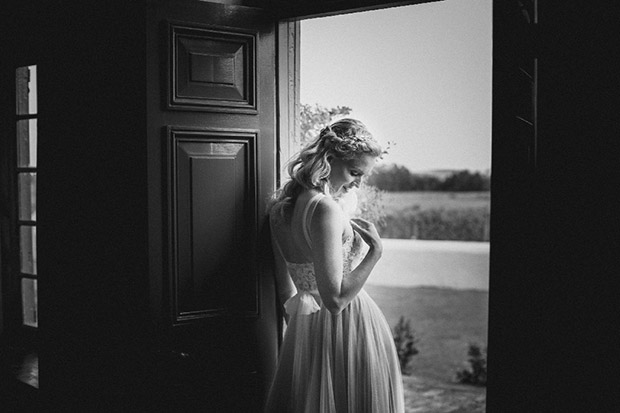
[[420, 78]]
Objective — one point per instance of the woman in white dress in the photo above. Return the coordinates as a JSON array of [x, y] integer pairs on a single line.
[[338, 354]]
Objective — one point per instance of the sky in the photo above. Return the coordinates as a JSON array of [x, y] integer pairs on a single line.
[[418, 76]]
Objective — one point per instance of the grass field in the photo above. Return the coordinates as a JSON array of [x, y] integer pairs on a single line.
[[457, 216], [445, 322], [397, 201]]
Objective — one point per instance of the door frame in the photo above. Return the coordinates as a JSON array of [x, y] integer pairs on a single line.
[[295, 10]]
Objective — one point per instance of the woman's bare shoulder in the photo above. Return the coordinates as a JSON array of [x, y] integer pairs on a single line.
[[327, 211], [327, 203]]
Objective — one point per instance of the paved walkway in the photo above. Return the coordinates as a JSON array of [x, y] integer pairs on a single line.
[[452, 264], [430, 396]]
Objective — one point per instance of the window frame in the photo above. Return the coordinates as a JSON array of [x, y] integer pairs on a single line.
[[14, 332]]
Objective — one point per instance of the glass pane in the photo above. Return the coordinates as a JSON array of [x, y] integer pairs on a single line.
[[26, 83], [29, 302], [27, 186], [27, 143], [28, 249]]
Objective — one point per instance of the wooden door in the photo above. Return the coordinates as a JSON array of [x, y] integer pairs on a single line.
[[516, 229], [211, 99], [211, 115]]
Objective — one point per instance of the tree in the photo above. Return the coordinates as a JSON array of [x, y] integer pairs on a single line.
[[314, 118], [395, 178], [477, 373], [466, 181], [405, 344]]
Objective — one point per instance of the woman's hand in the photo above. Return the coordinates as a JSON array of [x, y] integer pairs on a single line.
[[368, 233]]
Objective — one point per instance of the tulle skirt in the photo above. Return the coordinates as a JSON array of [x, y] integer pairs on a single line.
[[336, 363]]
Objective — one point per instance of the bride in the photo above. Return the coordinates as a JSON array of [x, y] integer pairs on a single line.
[[338, 354]]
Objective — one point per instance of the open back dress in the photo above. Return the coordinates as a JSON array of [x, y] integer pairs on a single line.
[[344, 363]]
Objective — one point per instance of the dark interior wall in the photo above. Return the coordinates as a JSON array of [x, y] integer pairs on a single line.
[[13, 28], [577, 232], [92, 197], [553, 309]]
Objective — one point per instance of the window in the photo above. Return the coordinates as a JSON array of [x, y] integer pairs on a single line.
[[19, 323], [25, 174]]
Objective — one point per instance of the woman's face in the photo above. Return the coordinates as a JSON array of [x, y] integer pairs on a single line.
[[346, 174]]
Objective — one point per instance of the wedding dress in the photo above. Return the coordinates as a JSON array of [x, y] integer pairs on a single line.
[[344, 363]]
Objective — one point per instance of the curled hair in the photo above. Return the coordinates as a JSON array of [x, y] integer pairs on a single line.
[[344, 139]]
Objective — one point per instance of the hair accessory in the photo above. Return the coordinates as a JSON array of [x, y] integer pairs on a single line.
[[357, 139], [352, 143], [350, 138]]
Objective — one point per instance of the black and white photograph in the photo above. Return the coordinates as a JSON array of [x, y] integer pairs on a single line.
[[309, 206]]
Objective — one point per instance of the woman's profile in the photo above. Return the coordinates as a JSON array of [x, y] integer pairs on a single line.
[[338, 354]]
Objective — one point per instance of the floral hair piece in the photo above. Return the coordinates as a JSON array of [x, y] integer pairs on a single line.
[[347, 143]]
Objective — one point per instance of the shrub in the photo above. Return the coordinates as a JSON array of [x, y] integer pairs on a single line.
[[470, 224], [477, 374], [371, 205], [405, 344]]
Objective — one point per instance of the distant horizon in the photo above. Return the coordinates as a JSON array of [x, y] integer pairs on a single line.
[[436, 171]]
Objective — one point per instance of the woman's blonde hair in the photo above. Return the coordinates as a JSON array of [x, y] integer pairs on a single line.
[[310, 168]]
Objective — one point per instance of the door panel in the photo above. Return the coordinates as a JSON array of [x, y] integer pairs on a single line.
[[211, 115], [212, 69], [213, 224]]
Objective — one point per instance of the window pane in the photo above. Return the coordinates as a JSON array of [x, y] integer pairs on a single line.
[[29, 302], [28, 249], [27, 143], [26, 82], [27, 186]]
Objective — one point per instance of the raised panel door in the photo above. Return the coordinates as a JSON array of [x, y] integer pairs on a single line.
[[211, 113]]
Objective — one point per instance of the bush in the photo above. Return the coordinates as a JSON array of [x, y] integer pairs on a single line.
[[477, 374], [405, 344], [371, 205]]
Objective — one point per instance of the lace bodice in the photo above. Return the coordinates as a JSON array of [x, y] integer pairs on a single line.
[[307, 299], [303, 273]]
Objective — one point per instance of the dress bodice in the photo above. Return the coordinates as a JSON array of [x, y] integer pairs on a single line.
[[303, 273], [307, 300]]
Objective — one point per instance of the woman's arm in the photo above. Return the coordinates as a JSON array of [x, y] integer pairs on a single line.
[[326, 230], [284, 284]]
